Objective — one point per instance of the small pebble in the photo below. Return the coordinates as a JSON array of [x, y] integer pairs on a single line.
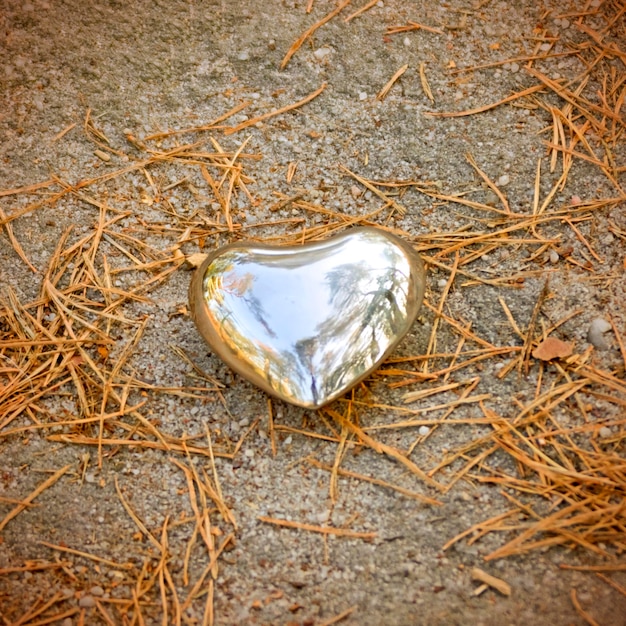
[[102, 155], [362, 96], [96, 591], [407, 42], [514, 67], [441, 283], [595, 335], [87, 602], [356, 192], [423, 431], [554, 257], [604, 432], [503, 181], [67, 622], [244, 56], [321, 53]]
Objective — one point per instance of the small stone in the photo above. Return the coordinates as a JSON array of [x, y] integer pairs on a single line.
[[321, 53], [271, 44], [87, 602], [362, 96], [96, 591], [102, 155], [244, 56], [514, 67], [90, 477], [604, 432], [67, 622], [441, 283], [407, 42], [356, 192], [595, 335], [423, 431], [545, 47], [503, 181], [554, 257]]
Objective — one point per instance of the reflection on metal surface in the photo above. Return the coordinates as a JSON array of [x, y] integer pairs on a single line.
[[306, 323]]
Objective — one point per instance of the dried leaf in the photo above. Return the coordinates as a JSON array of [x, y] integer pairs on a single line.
[[195, 260], [553, 348]]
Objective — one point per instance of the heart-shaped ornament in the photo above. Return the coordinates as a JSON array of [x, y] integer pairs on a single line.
[[306, 323]]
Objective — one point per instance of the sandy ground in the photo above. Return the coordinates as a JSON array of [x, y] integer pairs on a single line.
[[114, 508]]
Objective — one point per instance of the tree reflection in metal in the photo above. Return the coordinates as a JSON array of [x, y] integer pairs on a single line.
[[307, 323]]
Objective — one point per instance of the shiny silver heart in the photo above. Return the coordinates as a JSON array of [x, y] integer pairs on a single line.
[[306, 323]]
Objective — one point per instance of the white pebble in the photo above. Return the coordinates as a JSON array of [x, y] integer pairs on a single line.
[[441, 283], [244, 56], [503, 181], [554, 257], [362, 95], [604, 432], [595, 335], [321, 53], [423, 431], [407, 42], [514, 67]]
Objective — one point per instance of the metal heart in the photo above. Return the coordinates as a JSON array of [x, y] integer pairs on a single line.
[[306, 323]]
